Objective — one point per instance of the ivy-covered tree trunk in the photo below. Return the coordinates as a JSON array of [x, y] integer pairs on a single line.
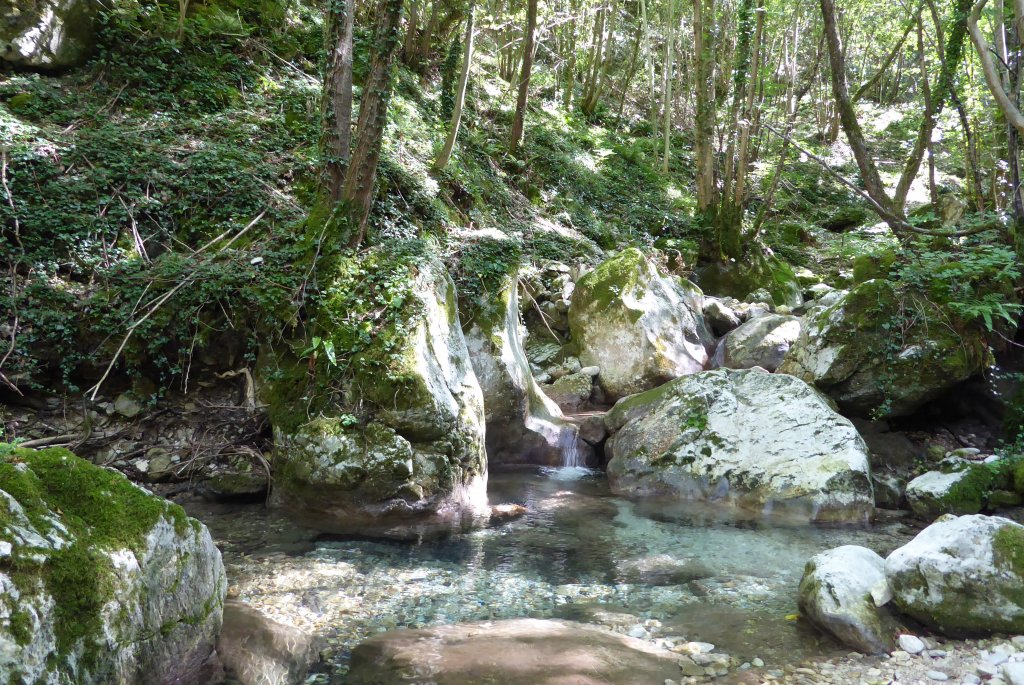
[[337, 105], [518, 121], [357, 194]]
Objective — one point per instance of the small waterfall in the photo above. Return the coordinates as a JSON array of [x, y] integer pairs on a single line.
[[569, 446]]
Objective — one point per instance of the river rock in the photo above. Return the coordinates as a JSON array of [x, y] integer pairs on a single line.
[[962, 576], [523, 425], [639, 327], [850, 351], [100, 581], [572, 391], [841, 591], [47, 34], [513, 652], [259, 651], [720, 316], [413, 461], [759, 342], [764, 441], [959, 492]]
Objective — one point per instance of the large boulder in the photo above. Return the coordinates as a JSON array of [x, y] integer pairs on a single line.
[[880, 351], [763, 342], [47, 34], [639, 327], [523, 424], [522, 651], [100, 581], [843, 592], [962, 576], [400, 453], [762, 440]]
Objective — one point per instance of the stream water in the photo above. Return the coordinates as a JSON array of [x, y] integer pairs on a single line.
[[647, 569]]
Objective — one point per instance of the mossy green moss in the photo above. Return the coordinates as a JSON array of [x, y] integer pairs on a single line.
[[100, 510], [1008, 546], [1018, 477], [605, 284]]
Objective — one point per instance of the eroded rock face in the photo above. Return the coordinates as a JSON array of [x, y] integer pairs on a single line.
[[843, 592], [763, 441], [962, 576], [113, 584], [47, 34], [639, 328], [514, 652], [413, 462], [849, 350], [760, 342], [523, 424]]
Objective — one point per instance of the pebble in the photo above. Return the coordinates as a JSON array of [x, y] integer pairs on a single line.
[[756, 662], [937, 675], [971, 679], [911, 644], [1014, 673]]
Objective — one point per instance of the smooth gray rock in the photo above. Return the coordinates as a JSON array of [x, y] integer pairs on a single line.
[[838, 594], [512, 652], [764, 441], [260, 651], [760, 342]]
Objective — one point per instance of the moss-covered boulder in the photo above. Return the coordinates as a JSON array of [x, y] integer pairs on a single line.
[[757, 271], [101, 581], [961, 491], [388, 438], [638, 327], [962, 576], [844, 592], [47, 34], [880, 350], [523, 424], [763, 441]]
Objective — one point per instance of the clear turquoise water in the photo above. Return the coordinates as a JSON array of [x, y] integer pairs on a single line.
[[653, 569]]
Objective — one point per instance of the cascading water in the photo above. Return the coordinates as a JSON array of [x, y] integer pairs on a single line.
[[569, 447]]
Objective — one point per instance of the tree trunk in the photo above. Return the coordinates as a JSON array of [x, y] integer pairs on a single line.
[[706, 110], [357, 194], [848, 118], [460, 95], [667, 93], [337, 101], [519, 119]]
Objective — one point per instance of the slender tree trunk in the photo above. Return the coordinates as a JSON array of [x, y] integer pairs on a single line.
[[519, 119], [591, 85], [357, 194], [460, 95], [630, 73], [743, 158], [337, 104], [667, 94]]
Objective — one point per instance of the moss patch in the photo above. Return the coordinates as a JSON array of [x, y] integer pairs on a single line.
[[605, 284], [101, 510], [1008, 545]]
